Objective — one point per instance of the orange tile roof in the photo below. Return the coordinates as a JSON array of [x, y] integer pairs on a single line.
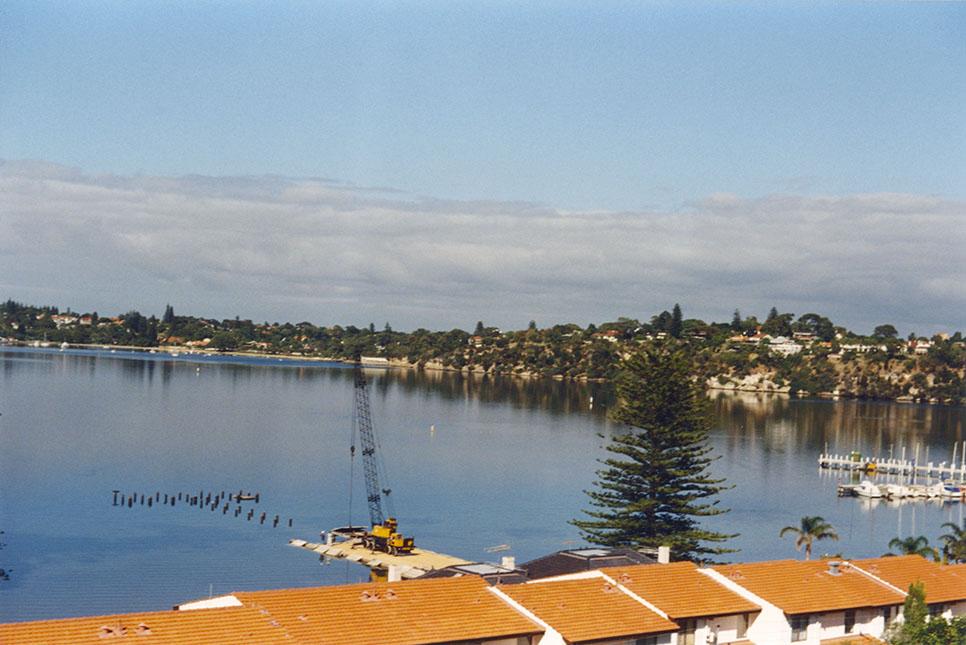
[[403, 613], [227, 626], [943, 583], [853, 639], [587, 609], [802, 587], [679, 590]]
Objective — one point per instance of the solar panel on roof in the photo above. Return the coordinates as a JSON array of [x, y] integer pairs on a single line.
[[591, 553]]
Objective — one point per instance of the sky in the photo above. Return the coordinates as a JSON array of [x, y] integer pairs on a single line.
[[434, 164]]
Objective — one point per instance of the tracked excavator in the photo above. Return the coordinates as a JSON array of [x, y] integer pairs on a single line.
[[383, 535]]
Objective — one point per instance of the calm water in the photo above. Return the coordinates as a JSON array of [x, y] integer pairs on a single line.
[[506, 463]]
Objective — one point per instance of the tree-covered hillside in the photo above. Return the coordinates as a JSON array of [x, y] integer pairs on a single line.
[[784, 352]]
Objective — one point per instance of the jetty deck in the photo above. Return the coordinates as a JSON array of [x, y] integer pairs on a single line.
[[411, 565], [898, 466]]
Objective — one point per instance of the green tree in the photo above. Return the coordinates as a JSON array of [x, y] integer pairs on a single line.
[[778, 324], [224, 341], [676, 325], [818, 325], [954, 543], [168, 317], [917, 628], [736, 321], [914, 612], [810, 529], [913, 546], [657, 486], [662, 321], [885, 331]]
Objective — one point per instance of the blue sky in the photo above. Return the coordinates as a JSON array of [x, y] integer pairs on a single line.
[[578, 107]]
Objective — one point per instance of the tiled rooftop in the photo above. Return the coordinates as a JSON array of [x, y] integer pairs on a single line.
[[679, 590], [802, 587], [412, 612], [230, 626], [588, 609], [852, 639], [943, 583]]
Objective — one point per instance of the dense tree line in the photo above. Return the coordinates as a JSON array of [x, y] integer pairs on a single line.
[[833, 359]]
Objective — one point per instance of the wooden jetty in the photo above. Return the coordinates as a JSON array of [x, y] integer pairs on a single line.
[[912, 468], [410, 565]]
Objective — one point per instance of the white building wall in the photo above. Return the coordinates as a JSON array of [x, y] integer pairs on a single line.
[[870, 621], [726, 627], [770, 626]]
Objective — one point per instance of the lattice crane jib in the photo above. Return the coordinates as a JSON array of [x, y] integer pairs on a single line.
[[368, 440]]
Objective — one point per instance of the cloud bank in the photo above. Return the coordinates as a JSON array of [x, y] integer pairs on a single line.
[[276, 248]]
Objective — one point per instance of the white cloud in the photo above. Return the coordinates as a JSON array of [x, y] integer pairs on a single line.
[[286, 249]]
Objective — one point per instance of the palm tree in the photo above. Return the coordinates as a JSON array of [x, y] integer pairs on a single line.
[[811, 529], [913, 546], [954, 543]]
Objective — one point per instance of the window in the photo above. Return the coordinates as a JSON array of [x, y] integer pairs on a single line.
[[686, 633], [849, 621], [936, 610], [889, 614], [648, 640], [799, 625]]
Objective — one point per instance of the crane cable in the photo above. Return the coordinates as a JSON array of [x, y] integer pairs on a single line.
[[352, 459]]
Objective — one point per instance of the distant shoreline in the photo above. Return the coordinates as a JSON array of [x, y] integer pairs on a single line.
[[177, 351]]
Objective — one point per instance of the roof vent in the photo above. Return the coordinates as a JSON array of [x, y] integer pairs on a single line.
[[111, 631], [368, 596], [624, 578], [833, 568], [608, 587], [389, 594], [142, 630]]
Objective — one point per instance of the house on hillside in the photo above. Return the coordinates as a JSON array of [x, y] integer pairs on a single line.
[[784, 346]]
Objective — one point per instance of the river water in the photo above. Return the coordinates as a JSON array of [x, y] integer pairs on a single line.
[[472, 462]]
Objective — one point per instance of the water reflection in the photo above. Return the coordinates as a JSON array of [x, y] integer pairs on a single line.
[[474, 461]]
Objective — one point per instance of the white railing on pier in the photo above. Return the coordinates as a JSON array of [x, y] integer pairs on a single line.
[[913, 468]]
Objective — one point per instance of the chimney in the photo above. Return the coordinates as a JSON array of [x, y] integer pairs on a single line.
[[394, 574], [663, 554], [508, 562], [833, 568]]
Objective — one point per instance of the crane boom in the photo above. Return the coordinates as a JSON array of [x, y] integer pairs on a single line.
[[368, 439], [383, 536]]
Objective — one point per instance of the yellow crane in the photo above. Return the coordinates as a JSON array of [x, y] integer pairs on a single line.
[[383, 536]]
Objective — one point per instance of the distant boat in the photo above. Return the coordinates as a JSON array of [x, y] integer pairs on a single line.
[[952, 489], [867, 489], [897, 491], [64, 346]]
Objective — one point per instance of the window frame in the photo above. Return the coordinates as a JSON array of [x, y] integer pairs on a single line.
[[800, 634], [850, 620]]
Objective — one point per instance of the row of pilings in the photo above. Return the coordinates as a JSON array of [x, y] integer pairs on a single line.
[[205, 500]]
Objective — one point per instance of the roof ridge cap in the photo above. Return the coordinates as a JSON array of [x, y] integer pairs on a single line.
[[888, 585], [657, 610]]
